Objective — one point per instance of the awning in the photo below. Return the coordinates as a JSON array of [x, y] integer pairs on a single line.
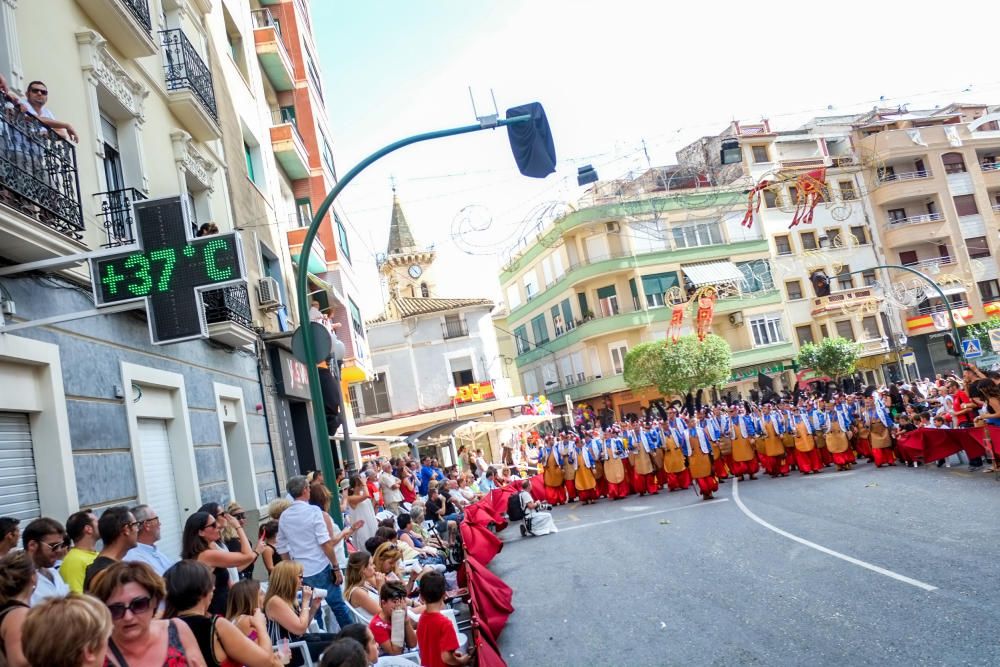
[[712, 273]]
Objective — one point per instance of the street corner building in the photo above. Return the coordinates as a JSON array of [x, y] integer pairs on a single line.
[[219, 107]]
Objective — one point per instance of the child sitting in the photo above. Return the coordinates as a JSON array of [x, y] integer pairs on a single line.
[[436, 636]]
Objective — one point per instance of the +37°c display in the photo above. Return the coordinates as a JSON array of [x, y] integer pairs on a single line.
[[170, 270]]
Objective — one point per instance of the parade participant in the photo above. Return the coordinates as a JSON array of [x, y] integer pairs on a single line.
[[821, 425], [585, 479], [616, 457], [772, 454], [699, 452], [806, 456], [644, 473], [743, 432], [788, 436], [551, 457], [722, 443], [881, 427], [596, 444], [838, 431], [567, 448], [862, 435], [674, 467]]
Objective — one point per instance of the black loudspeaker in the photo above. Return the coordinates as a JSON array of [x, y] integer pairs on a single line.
[[531, 142], [586, 174]]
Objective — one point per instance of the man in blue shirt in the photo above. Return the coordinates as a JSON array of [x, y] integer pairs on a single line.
[[145, 550], [427, 473]]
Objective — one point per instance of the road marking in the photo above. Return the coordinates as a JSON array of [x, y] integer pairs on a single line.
[[639, 516], [833, 475], [822, 549]]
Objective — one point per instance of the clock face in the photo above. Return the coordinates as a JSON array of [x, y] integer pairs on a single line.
[[415, 271]]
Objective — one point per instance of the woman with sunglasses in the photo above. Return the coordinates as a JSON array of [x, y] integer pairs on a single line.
[[132, 592], [189, 592], [362, 583], [231, 539], [290, 608], [17, 581], [200, 542]]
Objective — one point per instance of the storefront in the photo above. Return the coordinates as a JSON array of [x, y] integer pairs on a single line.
[[293, 419]]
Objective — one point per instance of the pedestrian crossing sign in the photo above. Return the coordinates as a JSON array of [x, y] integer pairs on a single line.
[[971, 348], [995, 339]]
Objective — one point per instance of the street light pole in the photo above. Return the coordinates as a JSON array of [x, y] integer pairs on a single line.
[[301, 288]]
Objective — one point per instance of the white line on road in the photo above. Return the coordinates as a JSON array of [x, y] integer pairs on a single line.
[[829, 552], [639, 516]]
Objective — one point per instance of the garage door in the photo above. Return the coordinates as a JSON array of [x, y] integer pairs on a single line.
[[18, 481], [161, 490]]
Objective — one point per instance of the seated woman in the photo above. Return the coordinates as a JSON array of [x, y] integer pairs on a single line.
[[132, 592], [189, 592], [417, 527], [245, 604], [17, 583], [407, 540], [286, 618], [388, 559], [362, 583]]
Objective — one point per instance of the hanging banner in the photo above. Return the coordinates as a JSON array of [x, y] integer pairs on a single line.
[[676, 320]]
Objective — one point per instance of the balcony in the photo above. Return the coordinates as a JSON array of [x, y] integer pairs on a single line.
[[915, 219], [990, 166], [116, 213], [289, 149], [874, 346], [271, 51], [925, 265], [191, 94], [125, 23], [39, 191], [454, 329], [845, 302], [229, 317]]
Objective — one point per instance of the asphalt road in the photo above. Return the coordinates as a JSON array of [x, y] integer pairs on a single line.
[[891, 566]]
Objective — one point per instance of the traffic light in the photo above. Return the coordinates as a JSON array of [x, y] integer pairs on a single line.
[[820, 283], [950, 346]]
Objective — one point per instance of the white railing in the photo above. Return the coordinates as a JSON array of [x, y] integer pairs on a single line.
[[996, 207], [989, 166], [928, 263], [903, 176], [913, 219]]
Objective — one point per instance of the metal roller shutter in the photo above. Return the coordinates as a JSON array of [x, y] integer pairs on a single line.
[[18, 480], [161, 489]]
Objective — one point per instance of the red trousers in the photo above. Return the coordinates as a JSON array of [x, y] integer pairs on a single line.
[[647, 483], [570, 489], [884, 456], [844, 458], [619, 490], [789, 457], [775, 466], [555, 495], [588, 494], [662, 478], [741, 468], [864, 447], [808, 461], [825, 456], [602, 487], [679, 480], [720, 469], [706, 485]]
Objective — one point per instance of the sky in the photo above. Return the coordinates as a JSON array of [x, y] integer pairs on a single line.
[[624, 85]]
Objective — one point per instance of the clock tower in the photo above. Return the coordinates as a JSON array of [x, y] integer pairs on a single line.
[[405, 267]]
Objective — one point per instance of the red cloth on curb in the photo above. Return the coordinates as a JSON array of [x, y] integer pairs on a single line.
[[479, 542], [932, 444], [538, 488], [487, 652], [491, 597]]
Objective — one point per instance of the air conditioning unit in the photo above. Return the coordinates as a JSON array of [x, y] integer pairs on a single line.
[[268, 292], [612, 227], [736, 319]]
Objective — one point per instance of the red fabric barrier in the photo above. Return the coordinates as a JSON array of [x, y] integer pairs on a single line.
[[487, 652], [538, 488], [491, 597], [481, 515], [932, 444], [479, 542]]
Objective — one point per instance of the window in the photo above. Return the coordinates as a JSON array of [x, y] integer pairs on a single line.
[[356, 321], [567, 313], [608, 299], [825, 240], [697, 234], [530, 285], [557, 265], [989, 290], [558, 325], [869, 326], [618, 351], [327, 156], [760, 154], [794, 289], [303, 212], [770, 199], [461, 371], [953, 163], [793, 195], [529, 381], [730, 152], [345, 248], [547, 271], [908, 257], [896, 215], [425, 291], [648, 236], [808, 240], [766, 329], [655, 288], [374, 396], [454, 327], [577, 359], [804, 334], [978, 247], [513, 296], [783, 245], [584, 309], [287, 115], [847, 192], [844, 279], [521, 339], [845, 330], [756, 276], [539, 330], [314, 77], [868, 277], [860, 235], [248, 155], [823, 331], [966, 205]]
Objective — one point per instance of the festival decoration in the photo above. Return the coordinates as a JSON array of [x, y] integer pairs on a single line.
[[810, 193], [676, 320], [703, 323]]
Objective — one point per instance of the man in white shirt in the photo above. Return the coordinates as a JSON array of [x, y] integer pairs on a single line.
[[389, 483], [45, 541], [303, 537], [34, 103], [145, 550]]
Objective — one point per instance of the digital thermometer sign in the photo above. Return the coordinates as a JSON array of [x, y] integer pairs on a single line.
[[169, 270]]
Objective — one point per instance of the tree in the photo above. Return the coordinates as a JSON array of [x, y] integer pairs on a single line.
[[982, 331], [836, 357], [677, 368]]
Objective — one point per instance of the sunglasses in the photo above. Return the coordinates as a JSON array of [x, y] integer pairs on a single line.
[[39, 91], [136, 606], [239, 516], [56, 546]]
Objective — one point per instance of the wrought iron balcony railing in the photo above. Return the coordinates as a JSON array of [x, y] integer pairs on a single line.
[[454, 329], [140, 10], [38, 172], [186, 69], [229, 304], [116, 212]]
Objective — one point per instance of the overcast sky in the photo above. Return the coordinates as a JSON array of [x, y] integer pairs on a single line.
[[610, 75]]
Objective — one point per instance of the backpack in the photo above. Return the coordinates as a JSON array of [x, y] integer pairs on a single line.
[[515, 510]]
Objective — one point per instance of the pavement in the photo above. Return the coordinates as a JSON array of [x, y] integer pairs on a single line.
[[890, 566]]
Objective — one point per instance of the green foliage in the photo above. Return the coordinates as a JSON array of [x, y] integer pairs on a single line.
[[982, 331], [677, 368], [836, 357]]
